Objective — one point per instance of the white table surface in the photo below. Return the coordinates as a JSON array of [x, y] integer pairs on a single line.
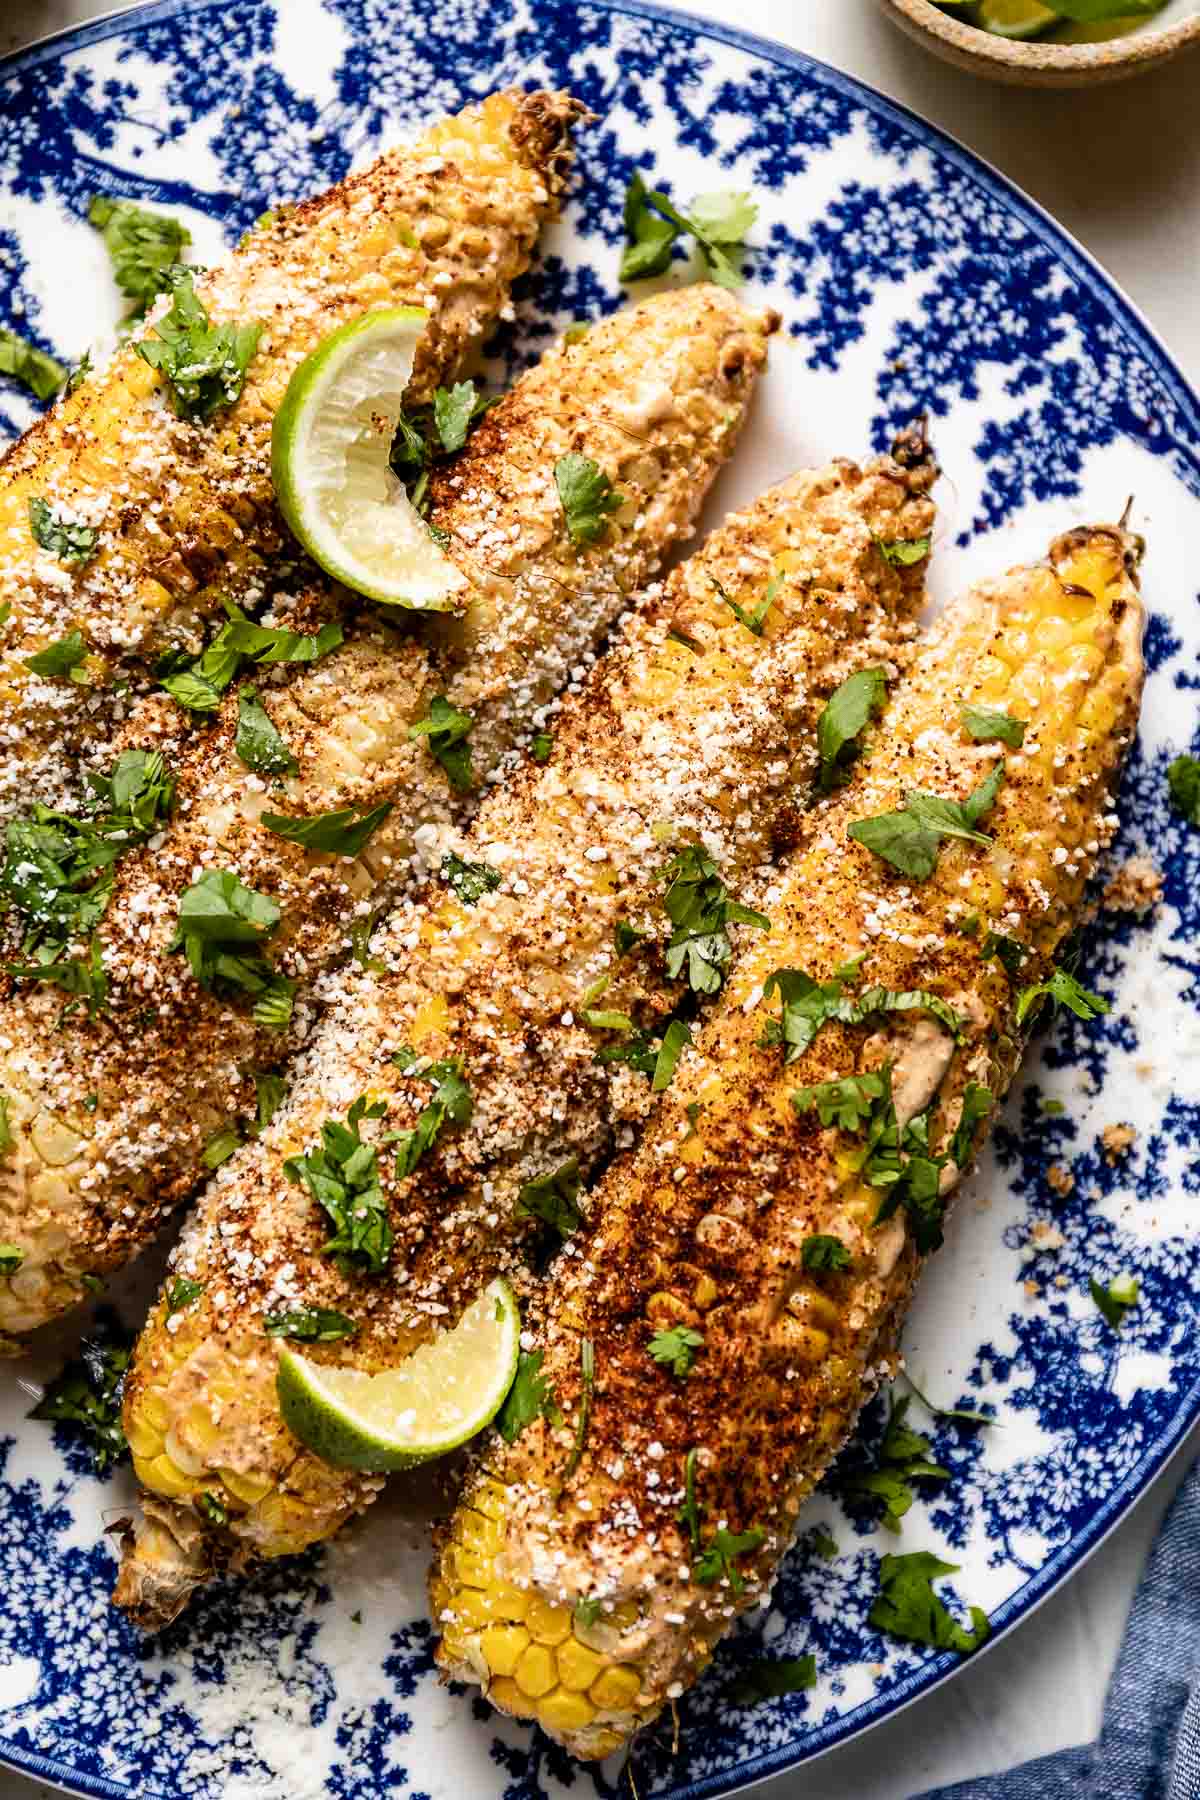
[[1120, 167]]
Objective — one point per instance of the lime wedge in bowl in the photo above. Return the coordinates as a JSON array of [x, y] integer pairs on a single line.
[[1015, 18], [329, 460], [432, 1402]]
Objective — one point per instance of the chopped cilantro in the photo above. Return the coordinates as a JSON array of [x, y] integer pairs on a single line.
[[626, 937], [587, 1609], [87, 1395], [451, 1104], [909, 839], [453, 411], [1008, 952], [851, 969], [141, 244], [220, 1147], [587, 1373], [344, 833], [22, 361], [847, 1103], [823, 1254], [553, 1198], [204, 365], [824, 1545], [675, 1037], [470, 880], [213, 1508], [755, 617], [976, 1105], [62, 660], [1063, 990], [718, 221], [1116, 1299], [587, 497], [772, 1677], [907, 1607], [11, 1258], [806, 1005], [529, 1398], [987, 725], [258, 743], [542, 747], [447, 731], [221, 929], [342, 1175], [844, 718], [675, 1347], [599, 1020], [1183, 782], [691, 1513], [199, 684], [697, 903], [959, 1415], [310, 1325], [80, 372], [903, 553], [430, 433], [904, 1456], [181, 1293], [716, 1561], [72, 544]]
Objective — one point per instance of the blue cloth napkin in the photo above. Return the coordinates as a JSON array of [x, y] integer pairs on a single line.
[[1149, 1743]]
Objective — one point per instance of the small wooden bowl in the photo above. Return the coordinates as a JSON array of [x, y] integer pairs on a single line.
[[1037, 64]]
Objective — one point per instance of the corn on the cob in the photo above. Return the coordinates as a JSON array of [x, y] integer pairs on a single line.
[[662, 1506], [110, 1115], [693, 718], [185, 513]]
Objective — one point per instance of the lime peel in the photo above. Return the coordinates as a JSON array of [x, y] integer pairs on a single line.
[[429, 1404], [330, 445]]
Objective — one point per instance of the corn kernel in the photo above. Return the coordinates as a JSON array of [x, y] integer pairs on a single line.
[[547, 1624], [565, 1712], [505, 1693], [617, 1689], [472, 1571], [249, 1489], [144, 1441], [578, 1666], [503, 1647], [474, 1532], [535, 1673], [164, 1477]]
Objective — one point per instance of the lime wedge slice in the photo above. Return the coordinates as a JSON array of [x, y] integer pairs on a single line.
[[431, 1403], [329, 460], [1015, 18]]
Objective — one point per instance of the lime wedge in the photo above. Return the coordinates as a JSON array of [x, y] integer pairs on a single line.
[[1096, 31], [329, 459], [431, 1403], [1015, 18]]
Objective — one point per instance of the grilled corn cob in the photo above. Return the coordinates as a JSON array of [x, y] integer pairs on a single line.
[[592, 1566], [693, 715], [185, 512], [110, 1115]]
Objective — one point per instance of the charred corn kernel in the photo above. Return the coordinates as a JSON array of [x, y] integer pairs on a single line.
[[246, 1488], [560, 1712], [545, 1624], [578, 1667], [756, 1443], [503, 1647], [705, 1292], [499, 505], [535, 1673], [701, 352], [160, 490], [616, 1690]]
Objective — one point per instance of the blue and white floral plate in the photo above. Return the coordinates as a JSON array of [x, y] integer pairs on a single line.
[[910, 278]]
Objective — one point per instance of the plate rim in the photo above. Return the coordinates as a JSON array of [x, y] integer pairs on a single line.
[[822, 1738]]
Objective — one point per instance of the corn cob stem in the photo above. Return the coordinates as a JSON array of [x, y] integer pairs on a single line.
[[185, 512], [788, 1353], [692, 716], [111, 1115]]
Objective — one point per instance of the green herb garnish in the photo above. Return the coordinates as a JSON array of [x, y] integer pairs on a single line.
[[587, 497], [310, 1325], [844, 718], [72, 544], [342, 1175], [1183, 782], [62, 660], [907, 1607], [470, 880], [753, 618], [773, 1677], [344, 833], [904, 1456], [529, 1398], [988, 725], [1116, 1299], [718, 221], [204, 365], [451, 1104], [903, 553], [553, 1198], [258, 743], [447, 731], [823, 1254], [181, 1293], [697, 903], [220, 1147], [587, 1372], [141, 244], [222, 929], [87, 1395], [22, 361], [1063, 990], [675, 1347], [909, 839]]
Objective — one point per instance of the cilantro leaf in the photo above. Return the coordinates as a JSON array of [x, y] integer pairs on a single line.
[[72, 544], [1116, 1299], [553, 1198], [755, 617], [903, 553], [844, 718], [648, 235], [976, 1105], [213, 1508], [808, 1004], [530, 1397], [447, 730], [269, 1091], [904, 1456], [587, 497], [141, 244], [587, 1609], [182, 1291], [1008, 952], [691, 1513], [824, 1254], [1064, 990], [62, 660], [204, 365], [541, 747], [198, 685], [470, 880], [80, 372], [772, 1677], [626, 937], [344, 833], [824, 1545], [600, 1020], [342, 1175], [958, 1414], [87, 1395], [846, 1102], [310, 1325], [697, 903], [676, 1348], [451, 1104], [716, 1561], [258, 743], [907, 1607], [220, 1147], [1183, 781], [675, 1037], [221, 929], [587, 1372], [718, 221], [987, 724], [22, 361], [909, 839], [453, 410]]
